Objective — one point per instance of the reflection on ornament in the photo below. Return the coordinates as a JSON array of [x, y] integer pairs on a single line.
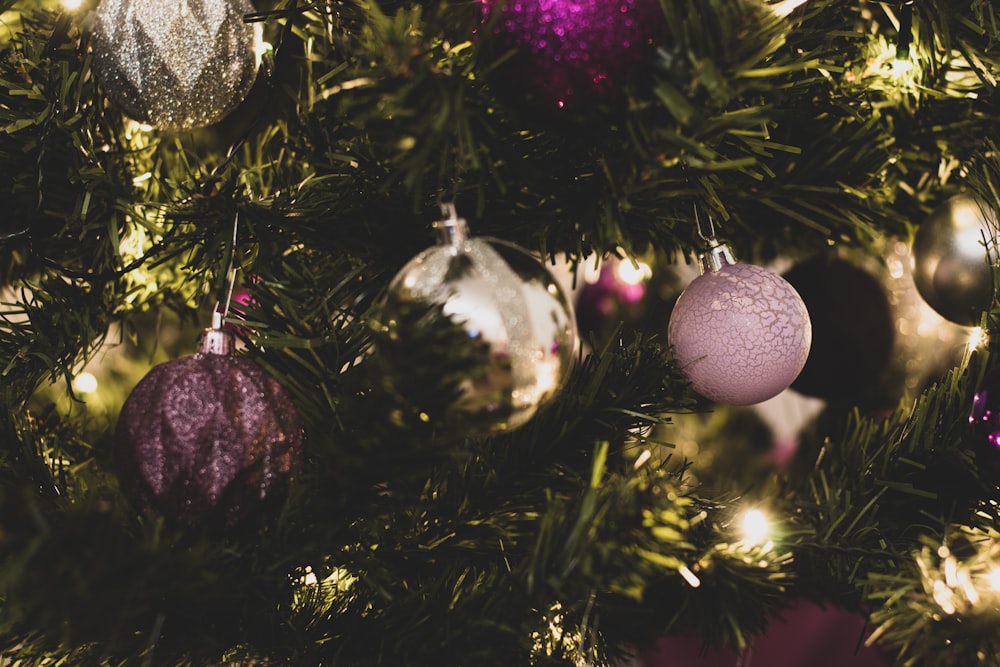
[[567, 53], [927, 345], [504, 297], [175, 65], [954, 254], [738, 332], [209, 440]]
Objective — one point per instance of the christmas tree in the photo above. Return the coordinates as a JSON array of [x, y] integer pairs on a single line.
[[498, 297]]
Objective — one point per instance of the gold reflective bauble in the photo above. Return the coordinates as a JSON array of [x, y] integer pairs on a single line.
[[954, 254], [505, 299], [175, 64]]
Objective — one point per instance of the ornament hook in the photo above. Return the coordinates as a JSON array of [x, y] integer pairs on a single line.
[[221, 310], [716, 254]]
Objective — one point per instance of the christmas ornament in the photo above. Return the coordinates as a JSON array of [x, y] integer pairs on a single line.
[[852, 328], [985, 420], [954, 254], [209, 440], [738, 332], [569, 53], [504, 297], [175, 64], [611, 295]]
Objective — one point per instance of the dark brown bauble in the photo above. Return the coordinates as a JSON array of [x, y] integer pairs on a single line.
[[853, 331], [209, 440]]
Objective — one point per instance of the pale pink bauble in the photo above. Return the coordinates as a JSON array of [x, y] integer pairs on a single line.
[[740, 334]]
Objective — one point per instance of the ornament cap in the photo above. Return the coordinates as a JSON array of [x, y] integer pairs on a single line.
[[453, 231], [216, 340], [716, 256]]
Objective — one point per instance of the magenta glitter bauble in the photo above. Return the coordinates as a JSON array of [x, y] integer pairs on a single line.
[[740, 334], [568, 53], [208, 440]]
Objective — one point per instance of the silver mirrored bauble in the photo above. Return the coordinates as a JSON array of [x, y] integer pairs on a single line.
[[954, 253], [175, 64], [504, 297]]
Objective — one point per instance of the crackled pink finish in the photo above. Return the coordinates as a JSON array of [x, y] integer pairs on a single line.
[[740, 334]]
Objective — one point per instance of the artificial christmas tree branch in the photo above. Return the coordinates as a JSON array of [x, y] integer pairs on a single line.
[[578, 536]]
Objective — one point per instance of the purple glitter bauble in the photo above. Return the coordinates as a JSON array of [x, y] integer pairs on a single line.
[[985, 420], [568, 53], [740, 334], [208, 440]]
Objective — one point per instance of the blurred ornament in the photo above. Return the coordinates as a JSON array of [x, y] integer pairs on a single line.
[[611, 294], [505, 298], [985, 420], [852, 328], [954, 253], [569, 53], [178, 64], [243, 303], [208, 440], [738, 332]]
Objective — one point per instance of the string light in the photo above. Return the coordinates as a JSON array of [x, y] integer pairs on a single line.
[[786, 7], [72, 4], [633, 273], [966, 584], [85, 383], [756, 527], [977, 338]]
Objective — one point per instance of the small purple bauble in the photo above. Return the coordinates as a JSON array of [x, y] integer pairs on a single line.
[[740, 334], [208, 440], [571, 52]]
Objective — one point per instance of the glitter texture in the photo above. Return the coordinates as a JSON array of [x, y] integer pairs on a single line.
[[740, 334], [208, 440], [572, 52], [175, 64], [506, 298]]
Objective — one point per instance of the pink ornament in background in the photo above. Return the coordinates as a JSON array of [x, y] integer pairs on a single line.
[[568, 53], [739, 333]]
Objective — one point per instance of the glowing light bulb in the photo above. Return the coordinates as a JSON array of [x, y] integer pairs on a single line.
[[993, 579], [785, 7], [977, 338], [72, 4], [756, 527], [633, 274], [85, 383]]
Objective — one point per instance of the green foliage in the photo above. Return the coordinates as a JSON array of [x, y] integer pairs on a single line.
[[405, 541]]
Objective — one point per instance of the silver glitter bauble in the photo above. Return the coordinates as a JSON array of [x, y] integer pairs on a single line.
[[505, 298], [209, 440], [954, 254], [175, 64]]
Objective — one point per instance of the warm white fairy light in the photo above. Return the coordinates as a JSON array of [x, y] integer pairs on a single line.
[[966, 584], [85, 383], [690, 577], [977, 339], [756, 527], [992, 579], [72, 4], [633, 273], [786, 7]]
